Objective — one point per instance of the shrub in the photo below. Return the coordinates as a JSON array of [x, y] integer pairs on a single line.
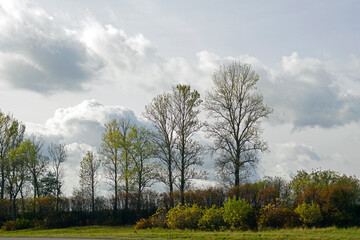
[[9, 226], [20, 223], [277, 216], [158, 219], [181, 217], [238, 213], [212, 219], [143, 224], [309, 214]]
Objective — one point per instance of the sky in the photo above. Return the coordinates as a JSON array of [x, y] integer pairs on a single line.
[[68, 67]]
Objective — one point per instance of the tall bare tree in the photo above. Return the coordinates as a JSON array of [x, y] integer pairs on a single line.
[[89, 167], [11, 135], [58, 156], [185, 110], [160, 114], [235, 110]]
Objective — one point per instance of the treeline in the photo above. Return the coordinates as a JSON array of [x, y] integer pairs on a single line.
[[316, 199]]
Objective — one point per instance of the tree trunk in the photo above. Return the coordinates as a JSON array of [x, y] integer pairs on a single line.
[[2, 180], [116, 196], [14, 209], [171, 193]]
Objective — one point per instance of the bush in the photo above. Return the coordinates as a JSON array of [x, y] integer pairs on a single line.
[[212, 219], [143, 224], [309, 214], [238, 213], [9, 226], [277, 216], [181, 217], [20, 223], [158, 219]]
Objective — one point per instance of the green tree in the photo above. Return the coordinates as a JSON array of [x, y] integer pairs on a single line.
[[89, 167], [160, 114], [48, 185], [11, 135], [126, 163], [17, 171], [235, 110], [111, 150]]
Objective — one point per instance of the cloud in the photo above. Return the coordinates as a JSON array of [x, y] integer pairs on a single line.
[[309, 92], [288, 158], [48, 54], [40, 53]]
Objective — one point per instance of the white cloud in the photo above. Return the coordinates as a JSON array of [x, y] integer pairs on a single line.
[[288, 158]]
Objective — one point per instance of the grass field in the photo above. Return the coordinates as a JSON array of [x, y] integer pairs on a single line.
[[130, 233]]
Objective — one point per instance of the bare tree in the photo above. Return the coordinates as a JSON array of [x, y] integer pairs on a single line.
[[141, 150], [89, 168], [185, 110], [58, 156], [159, 113], [37, 164], [235, 110]]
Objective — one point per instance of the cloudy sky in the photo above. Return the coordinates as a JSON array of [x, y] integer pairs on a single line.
[[68, 67]]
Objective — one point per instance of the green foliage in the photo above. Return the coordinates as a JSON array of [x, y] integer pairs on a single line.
[[212, 219], [277, 215], [182, 217], [309, 214], [238, 213]]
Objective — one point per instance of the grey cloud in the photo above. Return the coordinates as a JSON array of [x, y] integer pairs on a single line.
[[39, 53], [308, 93]]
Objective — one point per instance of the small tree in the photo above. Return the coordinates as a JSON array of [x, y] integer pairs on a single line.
[[310, 214], [160, 115], [142, 149], [58, 156], [89, 167], [238, 213]]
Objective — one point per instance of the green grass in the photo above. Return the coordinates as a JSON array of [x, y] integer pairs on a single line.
[[130, 233]]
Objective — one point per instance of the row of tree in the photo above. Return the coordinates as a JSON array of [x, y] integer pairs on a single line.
[[134, 157]]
